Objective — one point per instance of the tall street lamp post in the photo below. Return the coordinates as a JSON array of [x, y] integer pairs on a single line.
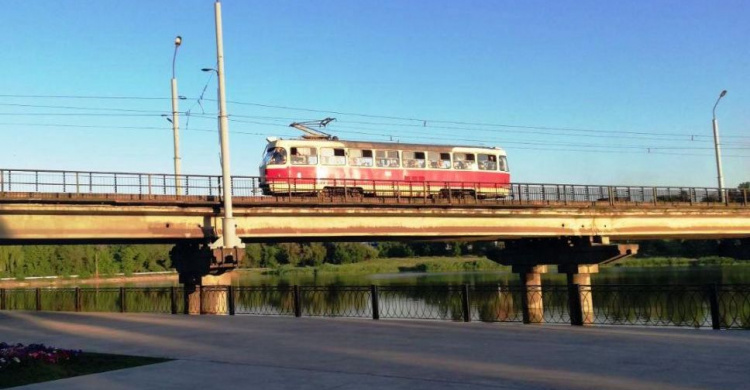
[[717, 147], [175, 123], [229, 236]]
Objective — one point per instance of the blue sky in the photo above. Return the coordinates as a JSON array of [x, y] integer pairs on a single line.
[[575, 91]]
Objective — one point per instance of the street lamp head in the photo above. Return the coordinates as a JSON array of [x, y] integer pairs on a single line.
[[208, 70], [178, 41], [721, 95]]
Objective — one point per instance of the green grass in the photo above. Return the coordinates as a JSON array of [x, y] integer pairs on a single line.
[[475, 263], [86, 363], [395, 265]]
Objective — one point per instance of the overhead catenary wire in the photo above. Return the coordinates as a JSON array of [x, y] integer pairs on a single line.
[[418, 121], [388, 135], [250, 133]]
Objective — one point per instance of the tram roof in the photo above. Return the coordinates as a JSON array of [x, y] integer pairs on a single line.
[[386, 145]]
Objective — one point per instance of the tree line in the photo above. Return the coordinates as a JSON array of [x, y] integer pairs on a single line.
[[90, 260]]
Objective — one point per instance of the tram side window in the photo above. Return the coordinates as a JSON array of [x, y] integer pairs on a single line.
[[433, 160], [332, 156], [275, 156], [445, 160], [464, 161], [387, 158], [413, 159], [304, 156], [360, 158], [503, 164], [487, 162]]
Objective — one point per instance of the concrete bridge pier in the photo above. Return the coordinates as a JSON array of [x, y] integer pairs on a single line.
[[208, 297], [577, 257], [531, 298], [580, 298], [205, 274]]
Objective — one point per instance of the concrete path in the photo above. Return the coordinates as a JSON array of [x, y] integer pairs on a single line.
[[318, 353]]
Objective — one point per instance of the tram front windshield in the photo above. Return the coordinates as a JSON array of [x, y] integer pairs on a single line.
[[275, 156]]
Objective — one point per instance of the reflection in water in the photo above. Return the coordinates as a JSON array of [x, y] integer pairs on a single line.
[[607, 276], [654, 296]]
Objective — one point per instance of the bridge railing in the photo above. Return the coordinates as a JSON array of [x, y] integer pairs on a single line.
[[107, 183], [120, 185], [696, 306]]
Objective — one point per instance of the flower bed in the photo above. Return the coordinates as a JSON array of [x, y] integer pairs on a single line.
[[19, 354], [26, 364]]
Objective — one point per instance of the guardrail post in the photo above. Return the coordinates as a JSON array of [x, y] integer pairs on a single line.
[[78, 299], [2, 180], [375, 302], [78, 189], [123, 309], [173, 299], [713, 299], [38, 299], [2, 299], [36, 181], [230, 299], [655, 195], [575, 309], [465, 308], [611, 196], [297, 302], [692, 195]]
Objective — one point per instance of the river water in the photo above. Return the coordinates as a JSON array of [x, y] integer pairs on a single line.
[[607, 276], [408, 295]]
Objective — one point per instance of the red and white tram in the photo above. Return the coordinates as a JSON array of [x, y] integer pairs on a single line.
[[311, 166]]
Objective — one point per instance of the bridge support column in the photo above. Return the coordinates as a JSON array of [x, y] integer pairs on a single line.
[[532, 306], [204, 272], [208, 297], [581, 298]]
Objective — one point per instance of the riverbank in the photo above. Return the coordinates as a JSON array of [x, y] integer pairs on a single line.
[[55, 281], [475, 264], [648, 262], [397, 265]]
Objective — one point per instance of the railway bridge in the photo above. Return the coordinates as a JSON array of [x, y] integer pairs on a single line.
[[573, 227]]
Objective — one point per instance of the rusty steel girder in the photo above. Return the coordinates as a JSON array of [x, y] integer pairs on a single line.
[[561, 251], [112, 223], [195, 260]]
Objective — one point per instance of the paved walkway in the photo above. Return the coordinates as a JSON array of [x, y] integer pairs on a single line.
[[318, 353]]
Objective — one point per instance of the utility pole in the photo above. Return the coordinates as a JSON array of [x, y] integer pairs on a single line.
[[176, 122], [717, 148], [229, 236]]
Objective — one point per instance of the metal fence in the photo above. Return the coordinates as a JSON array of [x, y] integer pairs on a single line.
[[707, 306], [72, 185]]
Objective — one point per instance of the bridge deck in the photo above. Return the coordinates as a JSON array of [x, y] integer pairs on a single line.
[[61, 206]]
